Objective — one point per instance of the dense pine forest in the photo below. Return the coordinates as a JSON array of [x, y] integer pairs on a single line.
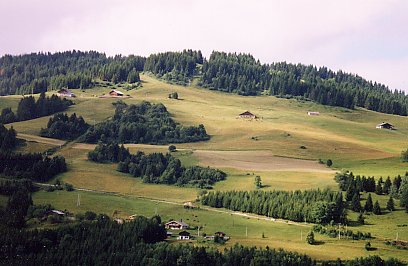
[[28, 108], [40, 72], [62, 126], [156, 168], [8, 140], [317, 206], [228, 72], [143, 123]]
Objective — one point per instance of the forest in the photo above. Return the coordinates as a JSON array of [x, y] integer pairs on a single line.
[[62, 126], [143, 123], [228, 72], [156, 168], [28, 108], [41, 72], [316, 206]]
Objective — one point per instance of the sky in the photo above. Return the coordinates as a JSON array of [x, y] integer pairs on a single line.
[[365, 37]]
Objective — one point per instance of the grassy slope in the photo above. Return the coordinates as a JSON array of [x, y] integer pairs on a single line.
[[349, 138], [277, 235]]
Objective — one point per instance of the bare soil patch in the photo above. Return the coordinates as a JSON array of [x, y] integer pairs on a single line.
[[257, 161]]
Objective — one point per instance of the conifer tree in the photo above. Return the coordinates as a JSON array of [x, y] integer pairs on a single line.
[[390, 204], [368, 207], [355, 203], [377, 208]]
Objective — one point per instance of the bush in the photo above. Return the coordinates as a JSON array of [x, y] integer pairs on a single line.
[[329, 163], [310, 238], [90, 216], [172, 148], [69, 187]]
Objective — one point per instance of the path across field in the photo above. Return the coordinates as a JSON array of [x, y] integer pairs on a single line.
[[257, 161]]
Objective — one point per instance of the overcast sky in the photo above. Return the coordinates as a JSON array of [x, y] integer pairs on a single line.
[[367, 37]]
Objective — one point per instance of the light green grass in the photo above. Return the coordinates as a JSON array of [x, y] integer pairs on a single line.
[[277, 235]]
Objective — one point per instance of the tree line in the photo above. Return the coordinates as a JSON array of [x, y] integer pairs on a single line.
[[62, 126], [228, 72], [143, 123], [317, 206], [33, 166], [353, 185], [28, 108], [156, 168], [243, 74], [41, 72]]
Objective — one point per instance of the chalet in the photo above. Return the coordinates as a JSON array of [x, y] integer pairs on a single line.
[[65, 92], [119, 220], [132, 217], [247, 114], [385, 125], [176, 225], [220, 234], [115, 93], [313, 113], [184, 235], [189, 205]]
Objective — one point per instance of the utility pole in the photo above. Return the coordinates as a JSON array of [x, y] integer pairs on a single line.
[[78, 201], [246, 232], [198, 234], [301, 235]]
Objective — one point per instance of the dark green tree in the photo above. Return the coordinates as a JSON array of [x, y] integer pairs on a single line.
[[258, 182], [377, 208], [360, 218], [329, 162], [355, 202], [404, 156], [390, 204], [368, 207], [310, 239]]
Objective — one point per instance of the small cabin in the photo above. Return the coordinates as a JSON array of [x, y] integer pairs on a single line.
[[189, 205], [385, 126], [247, 114], [116, 93], [57, 212], [176, 225], [184, 235], [313, 113], [65, 92]]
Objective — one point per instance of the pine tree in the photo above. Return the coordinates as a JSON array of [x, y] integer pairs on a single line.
[[360, 218], [390, 204], [355, 203], [369, 204], [258, 182], [387, 186], [378, 188], [377, 208]]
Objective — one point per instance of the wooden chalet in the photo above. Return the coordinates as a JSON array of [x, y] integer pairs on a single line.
[[385, 126], [176, 225], [247, 114], [65, 92], [313, 113], [115, 93], [184, 235]]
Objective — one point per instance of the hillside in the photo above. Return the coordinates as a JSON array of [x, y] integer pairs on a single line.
[[235, 73], [283, 147]]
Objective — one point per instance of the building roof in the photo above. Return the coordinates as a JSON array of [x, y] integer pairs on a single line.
[[118, 92], [385, 124], [180, 223], [184, 233], [58, 212], [247, 113]]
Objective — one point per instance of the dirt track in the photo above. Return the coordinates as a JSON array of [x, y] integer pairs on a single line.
[[257, 161], [39, 139]]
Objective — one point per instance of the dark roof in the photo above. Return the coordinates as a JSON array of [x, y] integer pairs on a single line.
[[177, 222], [220, 233], [247, 113], [184, 233]]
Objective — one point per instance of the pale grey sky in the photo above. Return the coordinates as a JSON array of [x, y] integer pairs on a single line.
[[367, 37]]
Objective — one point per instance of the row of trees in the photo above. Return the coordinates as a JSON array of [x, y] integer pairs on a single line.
[[28, 108], [143, 123], [33, 166], [318, 206], [62, 126], [40, 72], [242, 74], [156, 167]]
